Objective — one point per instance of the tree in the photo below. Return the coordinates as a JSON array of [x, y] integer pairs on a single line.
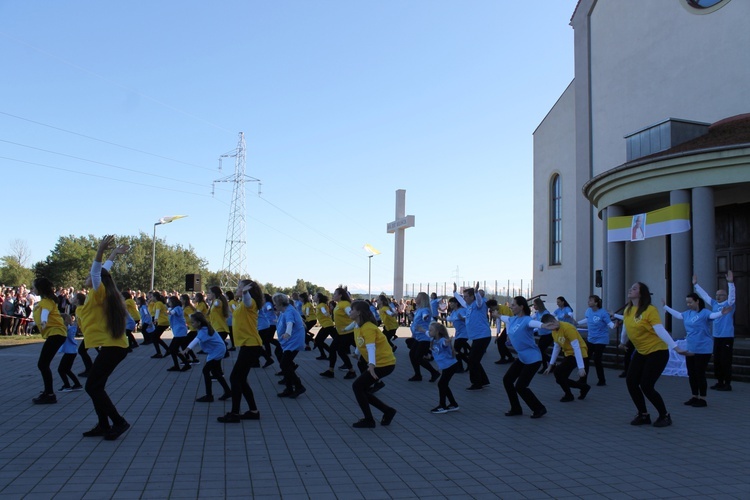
[[12, 273], [21, 251]]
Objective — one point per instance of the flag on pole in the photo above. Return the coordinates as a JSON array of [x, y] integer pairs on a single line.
[[669, 220], [167, 220], [371, 249]]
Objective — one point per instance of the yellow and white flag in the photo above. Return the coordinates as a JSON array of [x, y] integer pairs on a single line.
[[167, 220], [371, 249], [669, 220]]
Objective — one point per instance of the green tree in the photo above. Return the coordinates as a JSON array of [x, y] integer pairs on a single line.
[[69, 262], [12, 273]]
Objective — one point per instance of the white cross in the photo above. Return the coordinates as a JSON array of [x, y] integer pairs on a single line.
[[398, 226]]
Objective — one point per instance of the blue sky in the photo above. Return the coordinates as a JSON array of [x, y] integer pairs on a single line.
[[341, 102]]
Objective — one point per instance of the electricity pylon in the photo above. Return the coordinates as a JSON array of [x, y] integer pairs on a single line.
[[234, 266]]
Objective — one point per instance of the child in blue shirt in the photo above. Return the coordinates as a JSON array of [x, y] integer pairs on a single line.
[[442, 353], [179, 334], [68, 350], [215, 348]]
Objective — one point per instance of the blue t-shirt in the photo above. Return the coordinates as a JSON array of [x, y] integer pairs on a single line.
[[70, 346], [564, 314], [477, 321], [212, 345], [521, 336], [538, 317], [458, 318], [177, 322], [422, 320], [697, 331], [145, 315], [268, 313], [444, 356], [296, 341], [723, 327], [598, 324], [434, 307], [129, 322]]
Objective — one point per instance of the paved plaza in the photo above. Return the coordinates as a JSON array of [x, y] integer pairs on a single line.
[[306, 448]]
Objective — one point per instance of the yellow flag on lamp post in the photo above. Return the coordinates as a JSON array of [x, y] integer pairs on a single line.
[[371, 249]]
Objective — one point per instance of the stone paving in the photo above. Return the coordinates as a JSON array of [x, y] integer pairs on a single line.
[[306, 448]]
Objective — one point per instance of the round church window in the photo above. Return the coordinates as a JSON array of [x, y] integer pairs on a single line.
[[703, 6]]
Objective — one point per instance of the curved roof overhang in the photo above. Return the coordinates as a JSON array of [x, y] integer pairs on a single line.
[[715, 166]]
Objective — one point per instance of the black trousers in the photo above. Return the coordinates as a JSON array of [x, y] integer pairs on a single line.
[[320, 339], [444, 390], [105, 363], [696, 368], [389, 334], [364, 382], [516, 382], [595, 354], [417, 358], [266, 335], [290, 371], [563, 371], [156, 338], [340, 347], [502, 347], [723, 352], [462, 350], [212, 369], [64, 369], [643, 372], [50, 347], [544, 342], [190, 337], [248, 357], [178, 344], [477, 375], [84, 354]]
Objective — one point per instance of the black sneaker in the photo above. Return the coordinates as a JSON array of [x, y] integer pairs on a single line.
[[539, 413], [350, 375], [475, 388], [664, 421], [229, 418], [97, 431], [452, 408], [45, 399], [195, 362], [601, 383], [208, 398], [174, 369], [65, 388], [343, 368], [77, 387], [250, 415], [84, 374], [364, 424], [225, 396], [717, 386], [298, 391], [327, 374], [186, 368], [567, 398], [158, 355], [690, 402], [415, 378], [700, 403], [388, 417], [641, 419], [285, 393], [438, 409], [268, 363], [584, 391], [116, 431], [322, 358], [513, 413], [724, 388]]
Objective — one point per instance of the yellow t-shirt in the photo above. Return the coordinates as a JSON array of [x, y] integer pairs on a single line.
[[324, 319], [93, 322], [566, 334], [641, 330], [308, 311], [217, 318], [55, 324], [202, 307], [340, 318], [132, 309], [163, 313], [369, 333], [389, 322], [186, 312], [245, 325]]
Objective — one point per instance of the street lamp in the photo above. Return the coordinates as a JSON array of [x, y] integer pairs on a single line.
[[369, 248], [163, 220]]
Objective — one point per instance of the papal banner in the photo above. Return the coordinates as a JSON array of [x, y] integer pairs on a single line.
[[669, 220]]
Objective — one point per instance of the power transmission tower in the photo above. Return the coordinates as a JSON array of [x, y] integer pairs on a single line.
[[234, 266]]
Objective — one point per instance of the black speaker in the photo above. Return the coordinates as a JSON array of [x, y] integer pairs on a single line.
[[598, 283], [193, 283]]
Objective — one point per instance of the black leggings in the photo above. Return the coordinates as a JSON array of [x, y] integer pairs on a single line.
[[477, 375], [190, 337], [544, 342], [105, 363], [364, 398], [389, 334], [320, 339], [289, 370], [213, 369], [595, 354], [516, 382], [267, 336], [84, 354], [463, 349], [47, 354], [340, 346], [723, 352], [696, 368], [178, 344], [64, 369], [563, 371], [156, 338], [444, 391], [643, 372], [502, 347], [247, 358], [417, 358]]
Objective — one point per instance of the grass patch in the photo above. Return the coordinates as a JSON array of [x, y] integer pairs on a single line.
[[14, 340]]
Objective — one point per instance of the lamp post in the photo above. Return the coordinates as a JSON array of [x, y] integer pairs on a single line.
[[163, 220], [369, 248]]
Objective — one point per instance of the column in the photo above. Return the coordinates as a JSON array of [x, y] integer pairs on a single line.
[[681, 271], [614, 287], [704, 237]]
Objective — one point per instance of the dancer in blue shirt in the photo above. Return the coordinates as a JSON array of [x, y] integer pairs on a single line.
[[478, 329], [599, 323], [442, 353]]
